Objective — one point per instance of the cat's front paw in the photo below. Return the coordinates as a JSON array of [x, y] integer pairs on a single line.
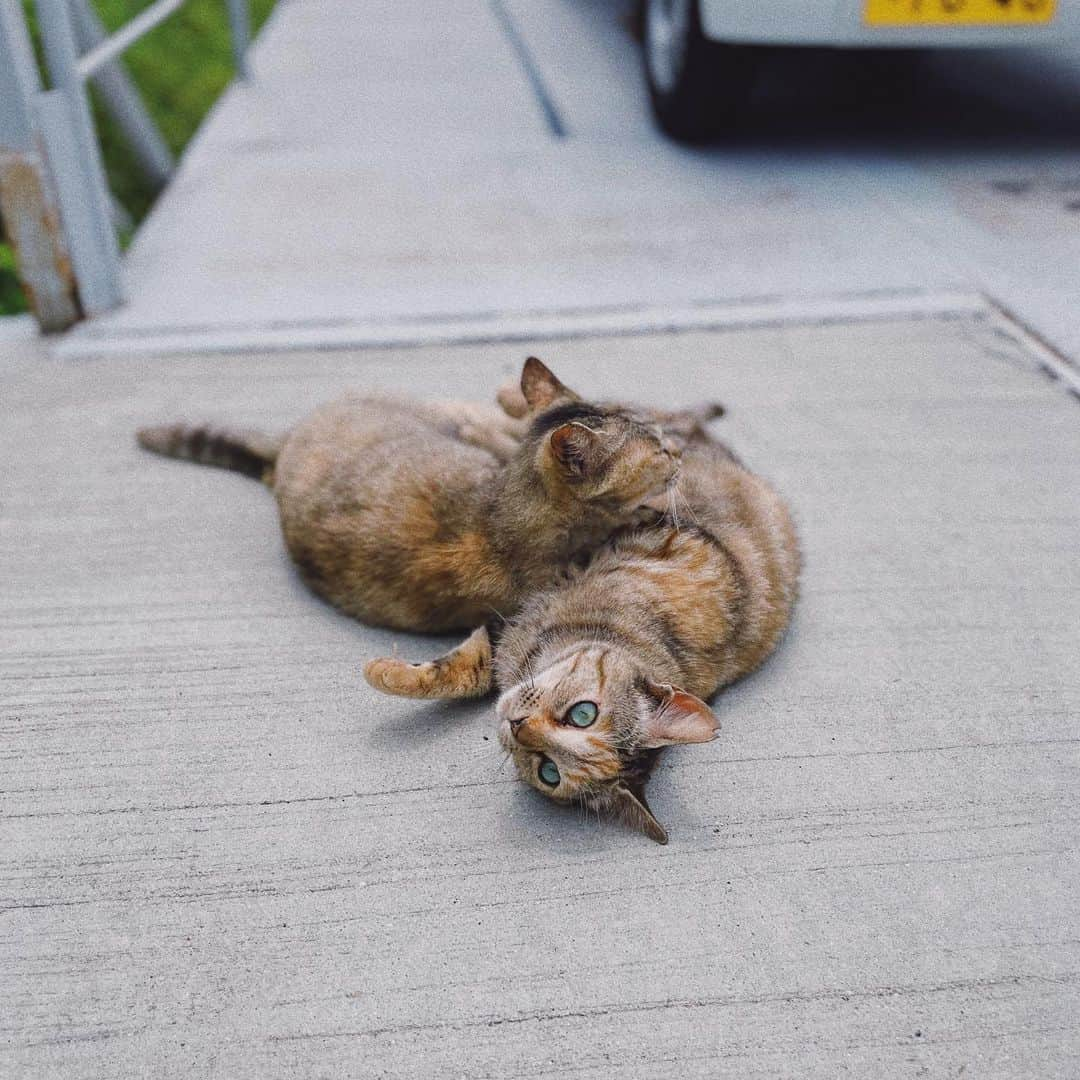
[[398, 677]]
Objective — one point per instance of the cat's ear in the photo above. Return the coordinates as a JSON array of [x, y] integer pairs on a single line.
[[674, 716], [573, 446], [629, 805], [540, 388]]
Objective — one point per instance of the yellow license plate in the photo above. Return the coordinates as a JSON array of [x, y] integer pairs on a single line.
[[958, 12]]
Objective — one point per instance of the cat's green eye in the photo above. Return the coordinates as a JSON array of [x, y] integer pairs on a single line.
[[583, 714], [549, 772]]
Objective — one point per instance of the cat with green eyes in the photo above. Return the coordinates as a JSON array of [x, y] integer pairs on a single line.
[[597, 673], [639, 566]]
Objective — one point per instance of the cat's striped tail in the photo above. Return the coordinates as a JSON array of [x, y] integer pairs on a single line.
[[250, 453]]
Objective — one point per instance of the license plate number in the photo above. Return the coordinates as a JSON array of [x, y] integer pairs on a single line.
[[958, 12]]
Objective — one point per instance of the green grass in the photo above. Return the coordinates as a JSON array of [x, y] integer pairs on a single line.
[[11, 297], [180, 69]]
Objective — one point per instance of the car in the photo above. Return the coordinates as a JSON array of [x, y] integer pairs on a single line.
[[702, 57]]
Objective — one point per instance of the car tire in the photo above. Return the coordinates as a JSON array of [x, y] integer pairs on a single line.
[[697, 87]]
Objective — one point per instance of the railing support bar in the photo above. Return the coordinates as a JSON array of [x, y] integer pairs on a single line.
[[114, 45], [87, 219], [240, 29], [121, 99], [95, 270]]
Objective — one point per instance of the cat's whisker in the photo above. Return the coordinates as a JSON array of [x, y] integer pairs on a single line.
[[529, 671], [686, 505], [673, 508]]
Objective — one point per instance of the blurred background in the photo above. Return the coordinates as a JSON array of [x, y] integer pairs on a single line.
[[388, 162]]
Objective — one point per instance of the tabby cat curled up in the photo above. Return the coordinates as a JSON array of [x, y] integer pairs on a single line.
[[436, 517]]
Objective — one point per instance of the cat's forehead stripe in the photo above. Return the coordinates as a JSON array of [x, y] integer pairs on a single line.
[[601, 675], [565, 414]]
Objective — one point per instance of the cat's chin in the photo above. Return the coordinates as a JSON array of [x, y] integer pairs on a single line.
[[658, 504]]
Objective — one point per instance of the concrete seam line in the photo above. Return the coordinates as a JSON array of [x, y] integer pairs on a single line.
[[532, 71], [1047, 357], [550, 325]]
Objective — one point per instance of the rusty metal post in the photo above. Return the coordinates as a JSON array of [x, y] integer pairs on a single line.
[[27, 202]]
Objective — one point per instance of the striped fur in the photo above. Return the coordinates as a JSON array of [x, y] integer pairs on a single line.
[[436, 517], [660, 618], [249, 453]]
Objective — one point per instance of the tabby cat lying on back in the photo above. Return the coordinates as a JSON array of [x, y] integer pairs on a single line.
[[437, 517], [600, 671]]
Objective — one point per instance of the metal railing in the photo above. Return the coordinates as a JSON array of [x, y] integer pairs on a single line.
[[65, 234]]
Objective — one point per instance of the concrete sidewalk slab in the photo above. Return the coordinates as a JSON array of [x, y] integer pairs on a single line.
[[391, 162], [222, 855]]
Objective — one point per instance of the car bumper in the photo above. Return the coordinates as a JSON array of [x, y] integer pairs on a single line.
[[841, 23]]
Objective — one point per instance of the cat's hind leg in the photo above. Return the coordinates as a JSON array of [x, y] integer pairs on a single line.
[[483, 425], [511, 400], [464, 672], [498, 443]]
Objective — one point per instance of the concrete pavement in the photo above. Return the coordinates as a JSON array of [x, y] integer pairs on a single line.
[[222, 855]]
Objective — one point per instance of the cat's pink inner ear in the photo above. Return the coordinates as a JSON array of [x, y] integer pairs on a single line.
[[540, 387], [678, 717]]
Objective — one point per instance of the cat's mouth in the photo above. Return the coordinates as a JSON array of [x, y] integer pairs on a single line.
[[671, 479]]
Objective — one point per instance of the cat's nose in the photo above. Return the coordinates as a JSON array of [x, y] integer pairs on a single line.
[[526, 734]]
